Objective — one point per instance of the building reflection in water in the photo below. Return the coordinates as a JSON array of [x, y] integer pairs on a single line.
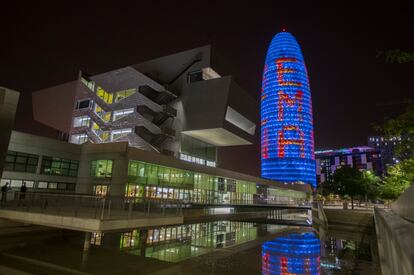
[[176, 243], [292, 254]]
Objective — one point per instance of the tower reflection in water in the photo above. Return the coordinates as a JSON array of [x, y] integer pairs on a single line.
[[292, 254]]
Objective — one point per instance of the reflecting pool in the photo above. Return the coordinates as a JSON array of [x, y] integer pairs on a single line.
[[214, 247]]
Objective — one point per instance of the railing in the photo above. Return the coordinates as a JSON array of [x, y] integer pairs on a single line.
[[112, 207], [357, 206], [85, 206]]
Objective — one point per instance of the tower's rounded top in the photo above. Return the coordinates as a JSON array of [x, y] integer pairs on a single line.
[[284, 44]]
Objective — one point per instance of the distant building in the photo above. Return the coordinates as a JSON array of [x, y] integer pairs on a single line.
[[386, 146], [362, 158]]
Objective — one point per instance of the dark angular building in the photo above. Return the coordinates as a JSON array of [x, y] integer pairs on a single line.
[[177, 105]]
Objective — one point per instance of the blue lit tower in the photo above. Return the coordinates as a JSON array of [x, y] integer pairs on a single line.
[[286, 114]]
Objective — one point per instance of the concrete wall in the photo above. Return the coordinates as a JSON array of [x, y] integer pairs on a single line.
[[404, 205], [395, 243], [8, 106]]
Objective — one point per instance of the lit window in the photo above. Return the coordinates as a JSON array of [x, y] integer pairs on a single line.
[[42, 184], [122, 113], [105, 116], [124, 94], [105, 96], [81, 121], [88, 83], [79, 139], [116, 134], [101, 168]]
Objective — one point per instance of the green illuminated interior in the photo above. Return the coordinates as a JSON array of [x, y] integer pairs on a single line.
[[101, 168], [161, 182]]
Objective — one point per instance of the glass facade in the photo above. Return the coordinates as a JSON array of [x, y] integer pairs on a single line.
[[101, 168], [161, 182], [21, 162], [197, 148], [60, 167]]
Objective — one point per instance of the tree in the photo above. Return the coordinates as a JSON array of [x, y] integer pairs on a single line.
[[397, 56], [348, 181], [371, 184], [399, 177]]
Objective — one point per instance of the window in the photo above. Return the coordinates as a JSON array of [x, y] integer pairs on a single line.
[[88, 83], [105, 116], [100, 190], [42, 184], [29, 183], [132, 190], [96, 238], [21, 162], [116, 134], [81, 121], [62, 186], [194, 148], [79, 139], [124, 94], [122, 113], [60, 167], [16, 183], [52, 185], [195, 76], [105, 96], [82, 104], [101, 168]]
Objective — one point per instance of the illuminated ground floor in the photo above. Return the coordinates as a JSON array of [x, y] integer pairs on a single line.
[[117, 170]]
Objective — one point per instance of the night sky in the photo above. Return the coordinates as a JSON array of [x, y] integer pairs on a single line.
[[45, 45]]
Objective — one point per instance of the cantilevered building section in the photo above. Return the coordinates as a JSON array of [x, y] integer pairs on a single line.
[[286, 114], [178, 105]]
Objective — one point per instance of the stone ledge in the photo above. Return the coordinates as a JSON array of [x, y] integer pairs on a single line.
[[395, 242]]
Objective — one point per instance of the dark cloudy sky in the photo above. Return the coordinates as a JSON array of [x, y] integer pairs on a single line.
[[43, 45]]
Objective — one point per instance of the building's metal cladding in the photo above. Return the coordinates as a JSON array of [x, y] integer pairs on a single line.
[[292, 254], [286, 114]]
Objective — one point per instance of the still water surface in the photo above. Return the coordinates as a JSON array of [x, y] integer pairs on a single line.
[[221, 247]]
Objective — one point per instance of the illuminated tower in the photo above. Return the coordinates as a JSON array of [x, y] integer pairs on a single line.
[[286, 114]]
